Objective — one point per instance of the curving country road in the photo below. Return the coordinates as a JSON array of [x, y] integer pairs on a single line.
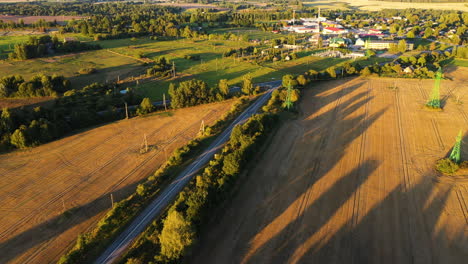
[[139, 224]]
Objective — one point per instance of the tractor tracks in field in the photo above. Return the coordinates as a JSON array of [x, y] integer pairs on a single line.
[[182, 133], [461, 201], [359, 202], [406, 178], [85, 178], [327, 132]]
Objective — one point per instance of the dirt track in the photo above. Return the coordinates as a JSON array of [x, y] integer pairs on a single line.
[[351, 181], [80, 172]]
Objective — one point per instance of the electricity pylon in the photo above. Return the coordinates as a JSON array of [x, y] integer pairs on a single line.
[[434, 102], [288, 102], [455, 155]]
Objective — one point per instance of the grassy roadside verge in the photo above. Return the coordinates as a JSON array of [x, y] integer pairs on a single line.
[[89, 245], [170, 238]]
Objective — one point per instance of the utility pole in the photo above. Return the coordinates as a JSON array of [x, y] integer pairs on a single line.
[[112, 200], [126, 110], [202, 127], [164, 102], [173, 70], [455, 155], [146, 144]]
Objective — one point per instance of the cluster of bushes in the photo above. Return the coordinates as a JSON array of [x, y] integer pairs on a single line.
[[447, 166], [460, 52], [169, 239], [87, 70], [94, 104], [240, 52], [41, 46], [162, 68], [274, 55], [21, 129], [192, 57], [195, 92], [89, 245], [39, 85], [423, 66]]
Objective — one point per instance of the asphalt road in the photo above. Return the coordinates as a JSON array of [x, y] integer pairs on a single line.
[[139, 224]]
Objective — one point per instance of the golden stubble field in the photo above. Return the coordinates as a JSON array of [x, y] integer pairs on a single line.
[[80, 172], [352, 181]]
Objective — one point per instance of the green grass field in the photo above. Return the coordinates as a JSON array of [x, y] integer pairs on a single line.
[[124, 61], [108, 66], [7, 43], [253, 33]]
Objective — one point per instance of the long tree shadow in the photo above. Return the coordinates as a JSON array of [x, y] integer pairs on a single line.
[[403, 227], [52, 228], [316, 153]]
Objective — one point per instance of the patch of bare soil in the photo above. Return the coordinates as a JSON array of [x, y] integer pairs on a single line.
[[27, 102]]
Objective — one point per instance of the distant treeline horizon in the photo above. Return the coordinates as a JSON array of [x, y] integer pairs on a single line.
[[425, 1]]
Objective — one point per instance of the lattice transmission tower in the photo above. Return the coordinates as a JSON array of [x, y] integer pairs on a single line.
[[434, 101], [455, 155]]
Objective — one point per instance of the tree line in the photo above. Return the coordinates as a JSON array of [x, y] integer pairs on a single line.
[[195, 92], [89, 245], [39, 85], [94, 104], [170, 238], [45, 45]]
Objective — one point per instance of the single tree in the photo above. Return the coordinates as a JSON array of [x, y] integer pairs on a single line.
[[176, 236], [247, 85], [145, 107], [223, 87]]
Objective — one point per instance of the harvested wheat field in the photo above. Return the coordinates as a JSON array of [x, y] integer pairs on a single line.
[[79, 173], [351, 181]]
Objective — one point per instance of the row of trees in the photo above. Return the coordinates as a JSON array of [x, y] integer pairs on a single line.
[[94, 104], [41, 46], [89, 245], [170, 238], [39, 85], [195, 92]]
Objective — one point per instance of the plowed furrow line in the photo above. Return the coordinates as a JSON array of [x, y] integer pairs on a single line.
[[59, 195], [115, 186]]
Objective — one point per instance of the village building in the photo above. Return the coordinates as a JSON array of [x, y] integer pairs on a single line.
[[334, 30]]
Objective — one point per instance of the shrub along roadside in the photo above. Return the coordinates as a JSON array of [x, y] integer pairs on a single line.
[[170, 237], [90, 245]]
